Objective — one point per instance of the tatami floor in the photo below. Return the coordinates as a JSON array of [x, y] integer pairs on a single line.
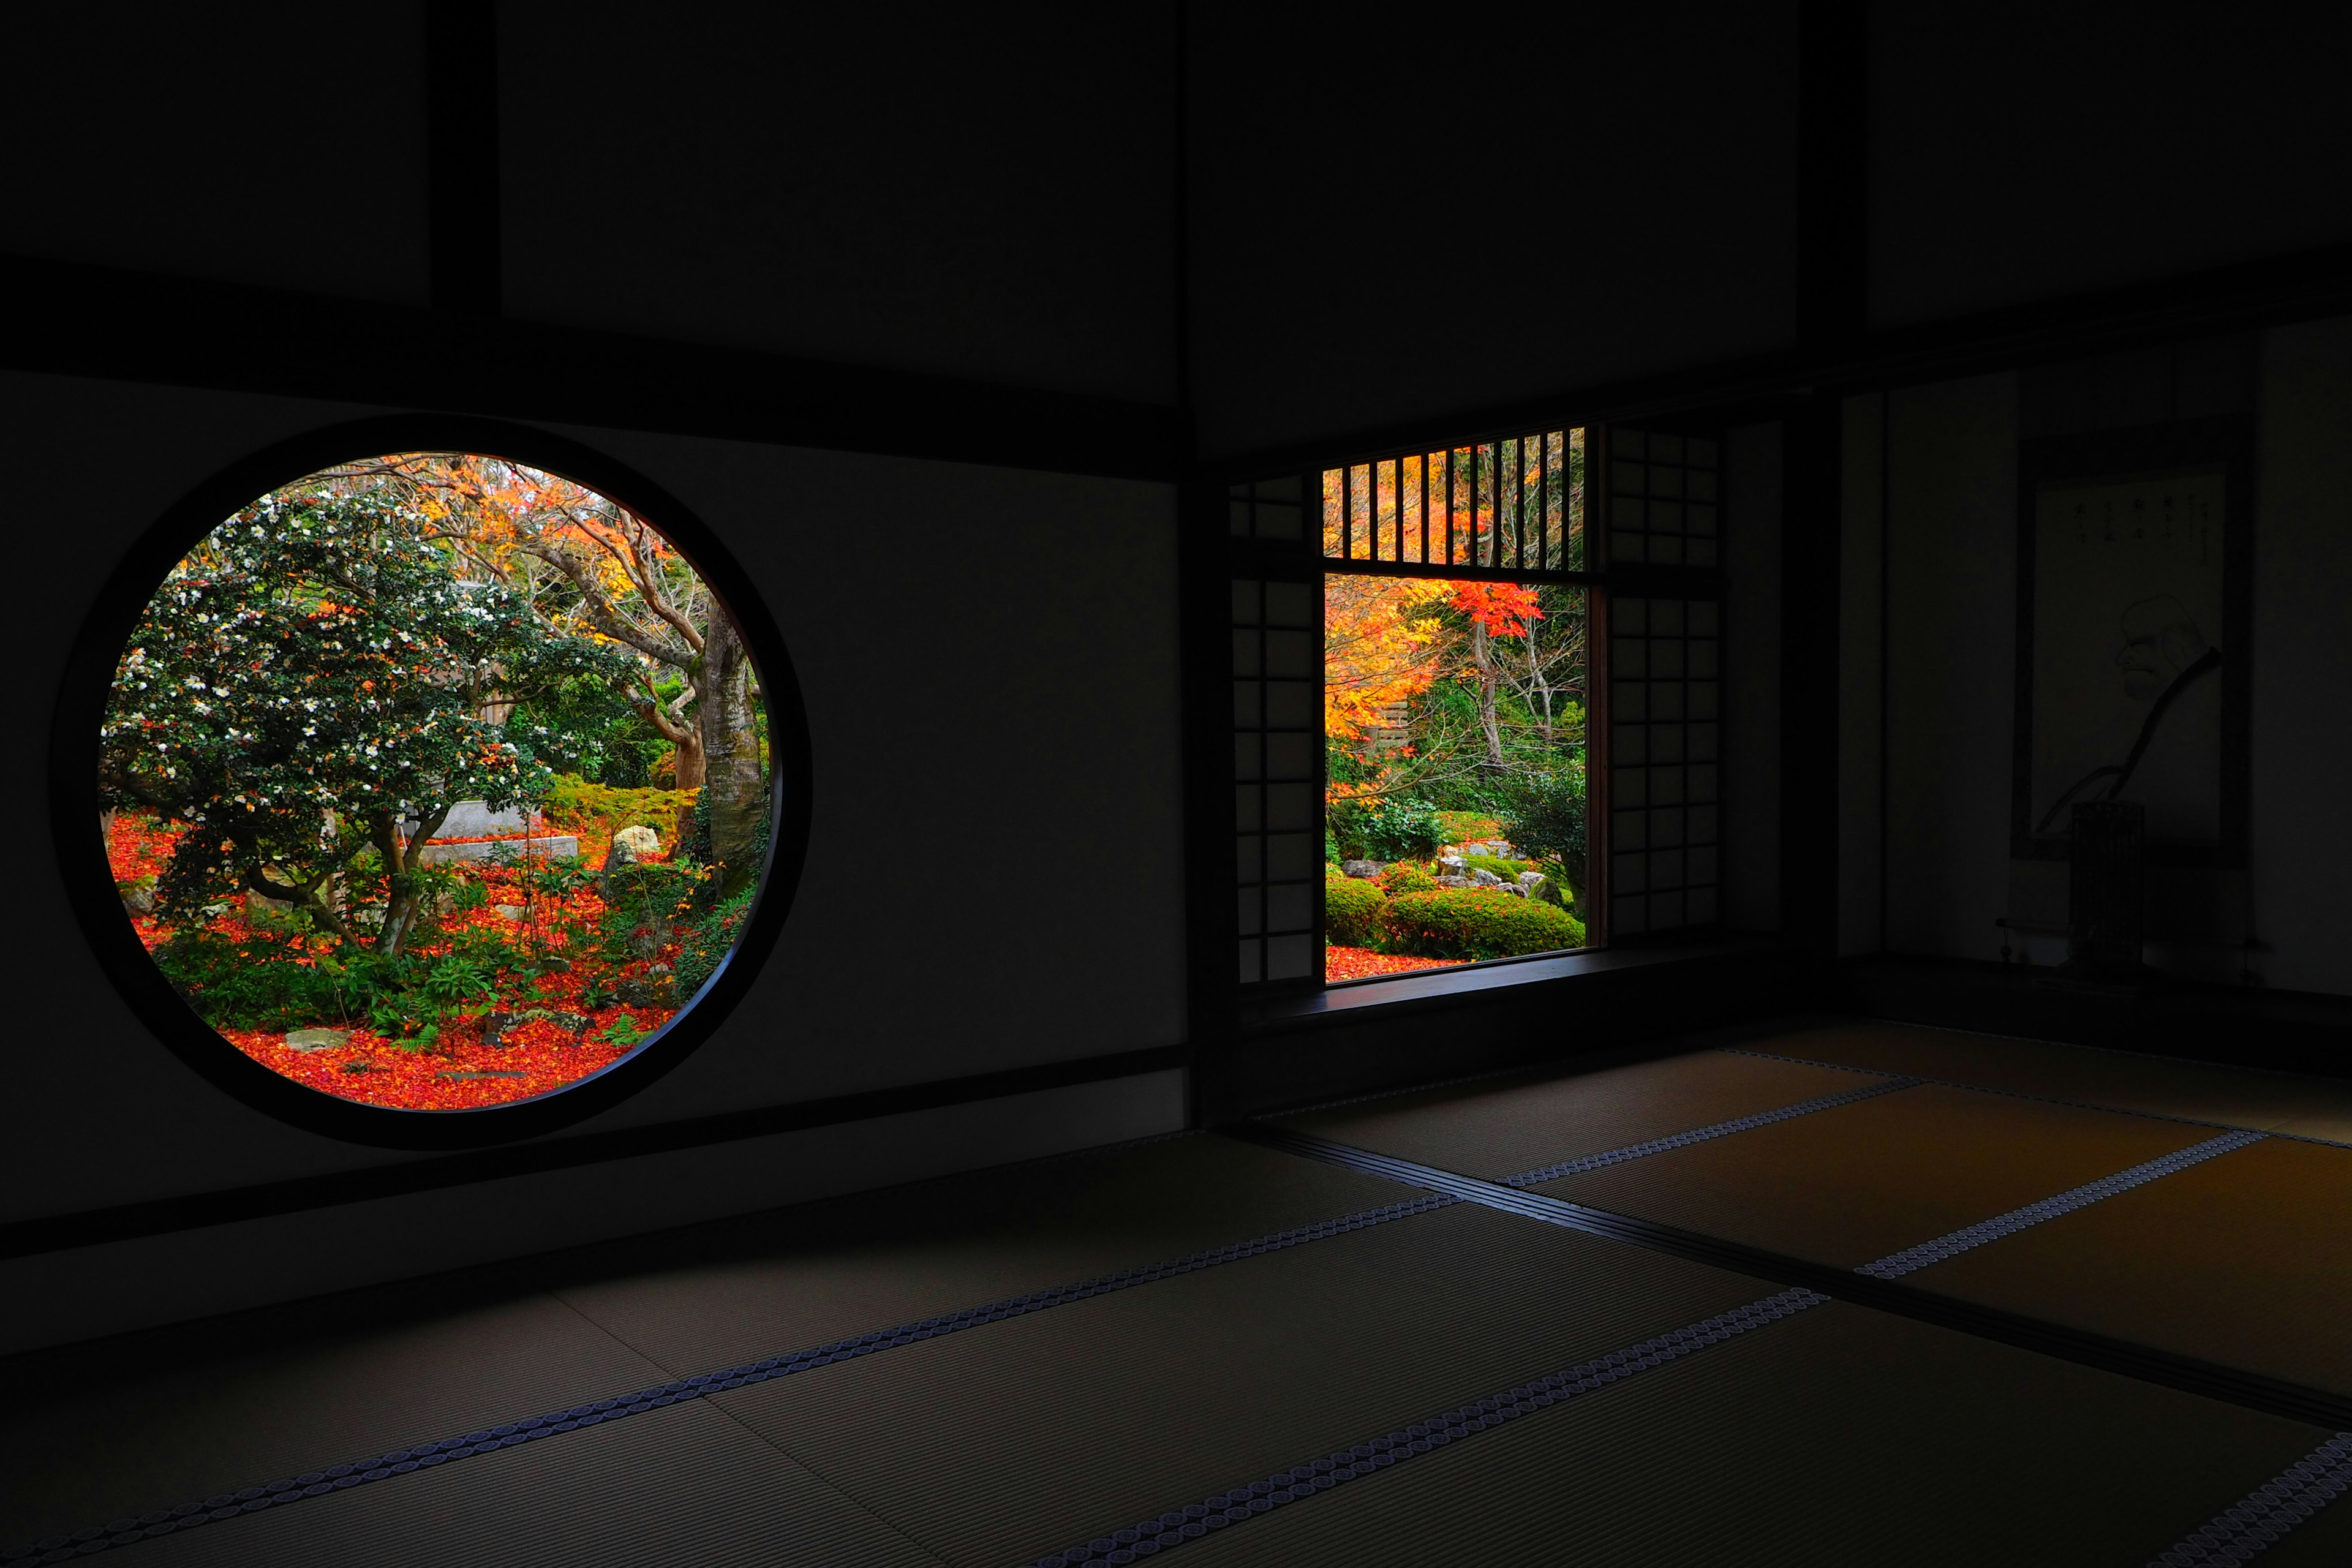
[[1858, 1293]]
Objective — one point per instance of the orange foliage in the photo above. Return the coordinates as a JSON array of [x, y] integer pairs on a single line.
[[1503, 609], [1380, 647]]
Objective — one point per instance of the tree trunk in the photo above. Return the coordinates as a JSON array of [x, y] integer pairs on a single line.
[[730, 756], [405, 901], [1482, 653], [691, 769]]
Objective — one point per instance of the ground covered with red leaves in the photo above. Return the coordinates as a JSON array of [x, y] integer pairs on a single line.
[[1364, 963], [458, 1070]]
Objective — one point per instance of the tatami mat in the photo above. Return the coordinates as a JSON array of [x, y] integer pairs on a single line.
[[1838, 1437], [81, 1451], [1857, 1182], [683, 1486], [1497, 1129], [2245, 1260], [85, 1438], [999, 1445], [2242, 1097], [804, 1277]]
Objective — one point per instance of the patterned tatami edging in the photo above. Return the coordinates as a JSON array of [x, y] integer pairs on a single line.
[[1913, 1259], [1223, 1509], [2234, 1385], [279, 1493], [1701, 1134], [2040, 1098], [2255, 1522]]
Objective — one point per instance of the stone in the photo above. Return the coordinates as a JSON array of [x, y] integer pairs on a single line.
[[494, 1028], [657, 987], [617, 860], [1482, 878], [552, 846], [1453, 864], [486, 1072], [1544, 891], [642, 841], [474, 819], [308, 1040], [554, 965], [1456, 882], [511, 912], [1362, 870], [1529, 878], [139, 900]]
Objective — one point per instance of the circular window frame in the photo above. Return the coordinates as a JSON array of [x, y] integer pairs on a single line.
[[74, 803]]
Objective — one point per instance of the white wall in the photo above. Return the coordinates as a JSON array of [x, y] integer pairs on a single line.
[[2022, 150], [1751, 720], [2302, 809], [964, 189], [988, 660], [1405, 222], [1863, 627], [270, 143], [1951, 453], [1952, 560]]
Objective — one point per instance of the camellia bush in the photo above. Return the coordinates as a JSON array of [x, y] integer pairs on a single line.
[[304, 693]]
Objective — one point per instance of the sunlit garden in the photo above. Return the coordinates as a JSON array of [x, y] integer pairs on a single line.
[[435, 782], [1454, 736]]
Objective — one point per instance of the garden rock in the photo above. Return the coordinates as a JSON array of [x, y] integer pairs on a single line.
[[474, 819], [139, 901], [308, 1040], [657, 987], [642, 841], [511, 912], [1456, 882], [1543, 889], [1363, 871], [619, 859], [1482, 878], [1529, 878], [1455, 863]]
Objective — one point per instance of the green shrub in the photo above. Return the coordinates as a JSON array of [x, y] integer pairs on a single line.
[[597, 811], [1507, 870], [1474, 923], [1405, 876], [252, 985], [652, 891], [1392, 827], [1545, 815], [1351, 911], [710, 939]]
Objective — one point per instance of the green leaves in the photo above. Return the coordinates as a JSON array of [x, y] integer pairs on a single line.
[[316, 672]]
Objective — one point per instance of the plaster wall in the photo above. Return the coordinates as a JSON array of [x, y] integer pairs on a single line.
[[988, 661]]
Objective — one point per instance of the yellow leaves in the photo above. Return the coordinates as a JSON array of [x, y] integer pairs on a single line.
[[1381, 637]]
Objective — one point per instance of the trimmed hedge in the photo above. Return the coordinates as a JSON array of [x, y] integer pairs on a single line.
[[1351, 911], [1474, 923], [1405, 877]]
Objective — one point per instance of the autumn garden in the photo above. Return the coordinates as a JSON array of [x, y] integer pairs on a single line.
[[435, 782], [1454, 809]]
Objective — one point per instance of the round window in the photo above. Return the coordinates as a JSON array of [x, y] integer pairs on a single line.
[[435, 782]]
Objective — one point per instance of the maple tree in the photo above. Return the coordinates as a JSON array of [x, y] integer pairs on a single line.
[[307, 687], [591, 567]]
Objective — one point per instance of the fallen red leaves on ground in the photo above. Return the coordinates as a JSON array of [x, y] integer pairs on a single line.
[[1364, 963], [458, 1072]]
